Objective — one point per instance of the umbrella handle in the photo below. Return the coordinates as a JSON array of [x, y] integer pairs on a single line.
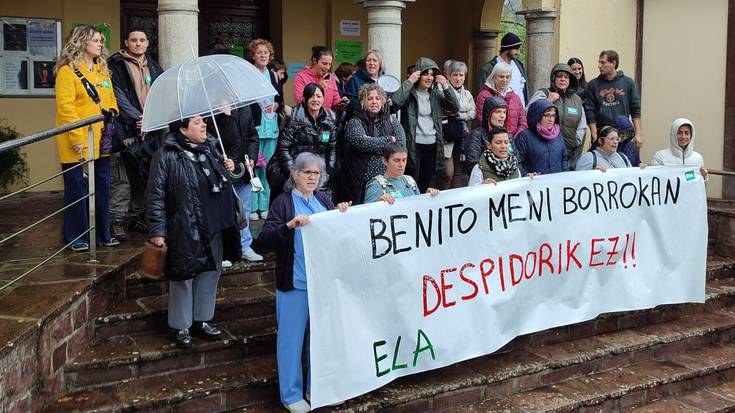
[[238, 175]]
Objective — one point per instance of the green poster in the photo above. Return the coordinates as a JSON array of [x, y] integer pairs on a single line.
[[237, 50], [103, 28], [348, 51]]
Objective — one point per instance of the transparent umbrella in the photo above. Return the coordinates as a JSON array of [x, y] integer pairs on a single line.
[[203, 86]]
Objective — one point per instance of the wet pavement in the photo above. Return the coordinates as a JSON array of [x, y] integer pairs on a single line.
[[26, 303]]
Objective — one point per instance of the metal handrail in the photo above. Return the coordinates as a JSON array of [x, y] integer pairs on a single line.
[[90, 197], [26, 140]]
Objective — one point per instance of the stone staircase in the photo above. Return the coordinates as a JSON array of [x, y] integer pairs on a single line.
[[668, 359]]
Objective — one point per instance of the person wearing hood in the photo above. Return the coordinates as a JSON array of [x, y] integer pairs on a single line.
[[318, 72], [424, 97], [498, 84], [495, 110], [133, 71], [610, 94], [510, 49], [366, 135], [369, 70], [562, 92], [455, 124], [604, 153], [540, 148], [681, 149]]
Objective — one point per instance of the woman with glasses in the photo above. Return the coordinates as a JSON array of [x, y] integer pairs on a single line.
[[540, 148], [310, 130], [604, 153], [282, 233]]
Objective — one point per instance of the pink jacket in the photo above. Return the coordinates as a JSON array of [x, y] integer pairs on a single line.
[[516, 119], [306, 76]]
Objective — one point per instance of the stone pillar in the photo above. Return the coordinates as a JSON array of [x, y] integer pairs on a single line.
[[540, 33], [483, 51], [384, 31], [178, 24]]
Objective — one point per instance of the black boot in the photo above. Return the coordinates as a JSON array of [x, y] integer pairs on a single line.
[[206, 331], [183, 338], [117, 230]]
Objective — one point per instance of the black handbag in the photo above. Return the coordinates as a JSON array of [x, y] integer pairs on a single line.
[[113, 131], [454, 130]]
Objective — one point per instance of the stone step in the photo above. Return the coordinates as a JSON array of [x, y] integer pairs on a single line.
[[241, 274], [719, 398], [126, 357], [211, 389], [528, 371], [148, 314]]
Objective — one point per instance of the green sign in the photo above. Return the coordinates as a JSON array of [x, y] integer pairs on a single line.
[[349, 51], [237, 50], [103, 28]]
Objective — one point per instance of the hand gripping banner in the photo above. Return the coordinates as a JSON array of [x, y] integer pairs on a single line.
[[428, 282]]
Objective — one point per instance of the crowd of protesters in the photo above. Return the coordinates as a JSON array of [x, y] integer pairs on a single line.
[[343, 143]]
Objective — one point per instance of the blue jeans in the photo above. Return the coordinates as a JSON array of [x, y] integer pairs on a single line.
[[76, 218], [244, 192]]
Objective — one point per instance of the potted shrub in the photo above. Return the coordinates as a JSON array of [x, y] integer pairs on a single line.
[[14, 167]]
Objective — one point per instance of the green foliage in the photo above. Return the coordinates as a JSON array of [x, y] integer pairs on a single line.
[[520, 30], [13, 166]]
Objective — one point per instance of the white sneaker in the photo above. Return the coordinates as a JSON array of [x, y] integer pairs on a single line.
[[264, 215], [300, 406], [254, 216], [250, 255], [226, 264], [308, 398]]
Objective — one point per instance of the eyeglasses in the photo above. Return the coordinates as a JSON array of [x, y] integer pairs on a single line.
[[549, 116], [617, 139], [310, 174]]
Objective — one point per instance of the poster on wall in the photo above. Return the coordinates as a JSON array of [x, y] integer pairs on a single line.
[[28, 51], [349, 51]]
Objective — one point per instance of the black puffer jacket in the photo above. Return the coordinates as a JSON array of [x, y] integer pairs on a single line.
[[473, 147], [174, 211], [238, 135], [301, 135]]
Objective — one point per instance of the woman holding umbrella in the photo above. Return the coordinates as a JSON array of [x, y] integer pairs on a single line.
[[311, 130], [190, 208]]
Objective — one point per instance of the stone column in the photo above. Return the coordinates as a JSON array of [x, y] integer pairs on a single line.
[[540, 33], [484, 50], [178, 31], [384, 31]]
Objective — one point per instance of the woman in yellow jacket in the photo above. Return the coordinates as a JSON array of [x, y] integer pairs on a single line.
[[85, 52]]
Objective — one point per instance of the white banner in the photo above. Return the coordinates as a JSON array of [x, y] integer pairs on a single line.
[[428, 282]]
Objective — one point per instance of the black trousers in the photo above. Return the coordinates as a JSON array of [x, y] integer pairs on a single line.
[[423, 167]]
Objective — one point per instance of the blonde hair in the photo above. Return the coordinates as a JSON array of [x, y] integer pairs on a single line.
[[253, 47], [365, 90], [73, 51]]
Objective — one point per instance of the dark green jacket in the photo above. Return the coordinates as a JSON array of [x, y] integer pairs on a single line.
[[406, 99]]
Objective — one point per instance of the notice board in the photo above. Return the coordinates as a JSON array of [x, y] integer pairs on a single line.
[[28, 51]]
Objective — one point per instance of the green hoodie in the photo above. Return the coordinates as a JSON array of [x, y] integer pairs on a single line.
[[406, 99]]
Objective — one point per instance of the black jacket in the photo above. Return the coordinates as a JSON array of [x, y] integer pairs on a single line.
[[275, 236], [301, 135], [174, 211], [122, 83], [473, 147], [238, 135]]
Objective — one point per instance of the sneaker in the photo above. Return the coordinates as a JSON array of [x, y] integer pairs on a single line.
[[264, 215], [80, 246], [250, 255], [113, 242], [226, 264], [117, 230], [300, 406], [254, 216], [308, 399]]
